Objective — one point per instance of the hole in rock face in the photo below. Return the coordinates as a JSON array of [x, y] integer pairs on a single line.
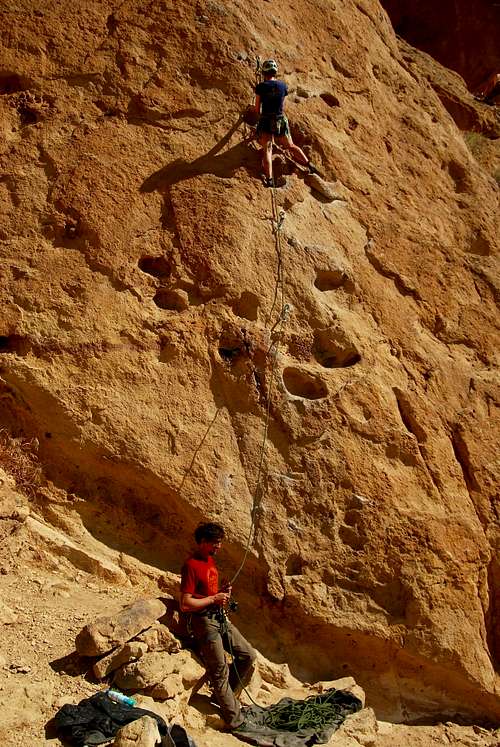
[[294, 565], [158, 267], [339, 361], [351, 538], [111, 24], [234, 344], [329, 99], [246, 306], [479, 245], [10, 83], [27, 116], [13, 344], [229, 354], [301, 383], [332, 279], [460, 176], [168, 351], [71, 229], [332, 349], [171, 299]]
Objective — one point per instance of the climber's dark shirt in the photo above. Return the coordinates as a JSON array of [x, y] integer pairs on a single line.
[[272, 94]]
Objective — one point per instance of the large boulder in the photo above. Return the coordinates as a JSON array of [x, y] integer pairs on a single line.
[[108, 632], [188, 666]]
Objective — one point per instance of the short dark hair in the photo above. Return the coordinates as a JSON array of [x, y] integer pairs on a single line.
[[208, 531]]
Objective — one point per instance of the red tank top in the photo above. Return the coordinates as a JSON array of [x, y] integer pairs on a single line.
[[199, 577]]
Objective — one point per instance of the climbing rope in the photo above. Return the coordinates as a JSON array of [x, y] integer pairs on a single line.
[[189, 468], [314, 713], [275, 333]]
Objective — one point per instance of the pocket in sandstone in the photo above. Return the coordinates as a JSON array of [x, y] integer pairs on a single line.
[[333, 348], [171, 299], [11, 82], [301, 383], [246, 306], [158, 267], [460, 176], [329, 99], [332, 279]]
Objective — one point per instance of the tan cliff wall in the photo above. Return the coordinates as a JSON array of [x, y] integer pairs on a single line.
[[138, 275]]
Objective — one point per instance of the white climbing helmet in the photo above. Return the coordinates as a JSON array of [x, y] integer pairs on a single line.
[[269, 66]]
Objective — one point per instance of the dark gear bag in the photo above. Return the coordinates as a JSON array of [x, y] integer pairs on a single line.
[[97, 719]]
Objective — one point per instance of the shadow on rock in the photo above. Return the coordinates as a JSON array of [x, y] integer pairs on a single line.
[[223, 165], [74, 665]]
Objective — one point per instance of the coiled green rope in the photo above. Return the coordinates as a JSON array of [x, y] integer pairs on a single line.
[[314, 713]]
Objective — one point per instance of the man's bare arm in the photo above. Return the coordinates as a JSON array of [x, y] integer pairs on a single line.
[[257, 104], [189, 603]]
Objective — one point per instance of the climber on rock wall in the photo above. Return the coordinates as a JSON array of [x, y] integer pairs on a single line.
[[207, 621], [269, 106]]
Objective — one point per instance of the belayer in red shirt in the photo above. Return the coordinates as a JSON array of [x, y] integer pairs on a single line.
[[213, 632], [273, 123]]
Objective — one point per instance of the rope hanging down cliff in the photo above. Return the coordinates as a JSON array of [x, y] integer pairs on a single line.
[[275, 333]]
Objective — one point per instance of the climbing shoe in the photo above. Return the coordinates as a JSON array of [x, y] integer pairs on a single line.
[[312, 168], [268, 181]]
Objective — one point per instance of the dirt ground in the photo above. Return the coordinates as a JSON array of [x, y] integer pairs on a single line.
[[42, 610]]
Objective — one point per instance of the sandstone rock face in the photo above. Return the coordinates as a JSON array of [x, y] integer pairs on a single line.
[[82, 558], [7, 616], [109, 632], [139, 271]]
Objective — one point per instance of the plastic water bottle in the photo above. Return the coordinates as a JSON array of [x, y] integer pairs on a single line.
[[117, 697]]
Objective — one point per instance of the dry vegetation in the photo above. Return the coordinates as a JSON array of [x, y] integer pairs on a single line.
[[17, 458]]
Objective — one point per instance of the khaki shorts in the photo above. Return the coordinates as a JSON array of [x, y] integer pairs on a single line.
[[273, 124]]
